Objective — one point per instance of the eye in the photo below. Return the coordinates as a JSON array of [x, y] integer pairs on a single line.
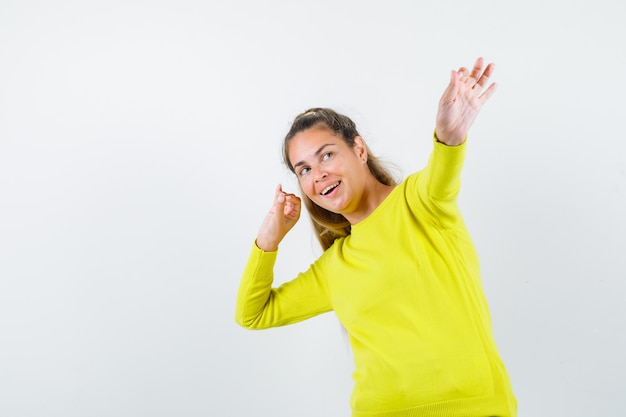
[[304, 171], [326, 156]]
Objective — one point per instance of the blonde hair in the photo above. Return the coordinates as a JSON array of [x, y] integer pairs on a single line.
[[330, 226]]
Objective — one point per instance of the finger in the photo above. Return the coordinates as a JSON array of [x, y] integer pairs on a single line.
[[292, 198], [484, 78], [292, 205], [279, 195], [476, 71], [463, 74], [488, 92], [287, 201]]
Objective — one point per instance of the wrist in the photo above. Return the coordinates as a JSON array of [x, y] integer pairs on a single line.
[[266, 246], [449, 142]]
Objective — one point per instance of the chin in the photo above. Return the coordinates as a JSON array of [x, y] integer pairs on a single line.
[[334, 209]]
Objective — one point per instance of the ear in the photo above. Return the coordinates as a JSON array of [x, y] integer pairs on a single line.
[[359, 148]]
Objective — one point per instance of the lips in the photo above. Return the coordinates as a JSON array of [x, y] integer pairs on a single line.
[[330, 188]]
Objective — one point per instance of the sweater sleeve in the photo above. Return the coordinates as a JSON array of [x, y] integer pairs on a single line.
[[435, 189], [260, 306]]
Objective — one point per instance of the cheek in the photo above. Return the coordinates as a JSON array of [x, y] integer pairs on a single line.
[[307, 187]]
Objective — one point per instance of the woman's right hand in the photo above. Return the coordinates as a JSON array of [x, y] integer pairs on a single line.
[[283, 215]]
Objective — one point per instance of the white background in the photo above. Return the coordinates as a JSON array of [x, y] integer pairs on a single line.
[[140, 147]]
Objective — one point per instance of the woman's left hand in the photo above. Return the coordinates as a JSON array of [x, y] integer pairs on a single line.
[[461, 102]]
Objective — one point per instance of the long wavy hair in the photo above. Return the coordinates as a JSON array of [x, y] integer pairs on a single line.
[[330, 226]]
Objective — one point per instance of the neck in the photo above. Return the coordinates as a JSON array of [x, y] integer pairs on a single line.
[[371, 199]]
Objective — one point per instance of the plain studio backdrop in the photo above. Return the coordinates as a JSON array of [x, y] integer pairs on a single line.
[[139, 152]]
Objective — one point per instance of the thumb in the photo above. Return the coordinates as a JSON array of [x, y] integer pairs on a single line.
[[279, 195]]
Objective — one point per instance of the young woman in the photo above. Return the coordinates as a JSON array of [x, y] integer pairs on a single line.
[[399, 268]]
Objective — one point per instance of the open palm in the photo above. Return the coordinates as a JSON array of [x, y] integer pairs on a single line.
[[461, 102]]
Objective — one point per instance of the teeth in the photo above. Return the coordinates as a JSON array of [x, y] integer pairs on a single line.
[[329, 188]]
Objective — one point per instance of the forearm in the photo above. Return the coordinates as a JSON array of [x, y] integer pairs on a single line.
[[255, 288], [439, 183], [260, 306], [444, 168]]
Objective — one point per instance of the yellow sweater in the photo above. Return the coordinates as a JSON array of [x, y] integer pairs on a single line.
[[406, 286]]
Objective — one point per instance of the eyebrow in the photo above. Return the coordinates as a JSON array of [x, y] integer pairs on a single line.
[[317, 152]]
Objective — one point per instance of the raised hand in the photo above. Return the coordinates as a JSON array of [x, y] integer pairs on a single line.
[[461, 102], [283, 215]]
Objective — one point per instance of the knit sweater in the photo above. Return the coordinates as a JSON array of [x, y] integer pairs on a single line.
[[406, 286]]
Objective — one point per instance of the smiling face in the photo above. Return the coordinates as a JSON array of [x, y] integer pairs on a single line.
[[330, 172]]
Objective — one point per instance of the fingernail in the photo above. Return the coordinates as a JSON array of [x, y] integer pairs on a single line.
[[281, 198]]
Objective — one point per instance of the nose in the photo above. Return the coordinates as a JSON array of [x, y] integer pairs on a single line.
[[319, 174]]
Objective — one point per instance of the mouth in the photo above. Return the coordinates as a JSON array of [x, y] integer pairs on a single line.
[[326, 191]]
